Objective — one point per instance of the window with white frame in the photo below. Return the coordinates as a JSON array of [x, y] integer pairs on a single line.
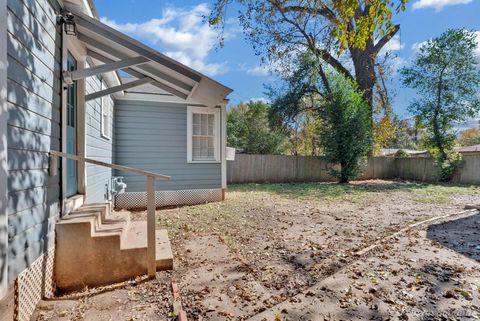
[[106, 114], [203, 141]]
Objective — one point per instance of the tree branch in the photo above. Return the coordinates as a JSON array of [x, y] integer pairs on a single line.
[[322, 53], [328, 58], [324, 11], [383, 41]]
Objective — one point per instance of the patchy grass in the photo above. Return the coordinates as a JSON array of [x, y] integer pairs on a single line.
[[245, 199], [442, 194], [357, 191]]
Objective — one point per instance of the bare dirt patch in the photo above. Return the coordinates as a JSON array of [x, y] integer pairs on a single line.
[[286, 251]]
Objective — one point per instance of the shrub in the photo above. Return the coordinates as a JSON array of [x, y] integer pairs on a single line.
[[346, 137], [447, 166], [401, 153]]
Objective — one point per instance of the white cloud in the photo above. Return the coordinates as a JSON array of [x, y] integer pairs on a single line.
[[182, 33], [259, 70], [397, 64], [260, 99], [417, 45], [437, 4], [395, 44], [477, 51]]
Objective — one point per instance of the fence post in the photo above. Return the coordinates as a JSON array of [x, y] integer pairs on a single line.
[[151, 239]]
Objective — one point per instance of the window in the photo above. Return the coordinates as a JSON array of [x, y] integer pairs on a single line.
[[106, 114], [203, 132]]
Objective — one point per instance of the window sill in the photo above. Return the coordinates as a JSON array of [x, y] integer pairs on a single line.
[[203, 162]]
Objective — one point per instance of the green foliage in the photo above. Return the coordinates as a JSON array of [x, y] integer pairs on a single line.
[[376, 16], [250, 131], [346, 36], [405, 136], [445, 75], [346, 137], [295, 106], [343, 117], [449, 165], [336, 17], [401, 153], [383, 132]]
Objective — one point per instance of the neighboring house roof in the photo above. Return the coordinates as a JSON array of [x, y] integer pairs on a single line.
[[171, 78], [469, 149], [392, 151]]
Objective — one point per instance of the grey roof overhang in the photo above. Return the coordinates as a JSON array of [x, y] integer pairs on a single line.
[[107, 45]]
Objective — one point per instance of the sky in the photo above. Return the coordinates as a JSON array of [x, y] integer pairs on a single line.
[[177, 29]]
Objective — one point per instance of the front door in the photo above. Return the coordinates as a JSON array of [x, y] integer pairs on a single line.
[[71, 129]]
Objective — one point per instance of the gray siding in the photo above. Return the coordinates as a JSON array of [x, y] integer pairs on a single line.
[[153, 136], [97, 147], [33, 86]]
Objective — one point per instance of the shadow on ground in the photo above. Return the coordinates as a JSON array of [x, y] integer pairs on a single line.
[[461, 235]]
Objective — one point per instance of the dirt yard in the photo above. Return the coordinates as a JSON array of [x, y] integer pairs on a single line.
[[289, 252]]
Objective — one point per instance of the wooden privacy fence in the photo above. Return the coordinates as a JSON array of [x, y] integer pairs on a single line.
[[286, 169]]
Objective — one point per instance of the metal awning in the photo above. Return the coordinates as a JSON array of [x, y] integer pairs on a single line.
[[117, 51]]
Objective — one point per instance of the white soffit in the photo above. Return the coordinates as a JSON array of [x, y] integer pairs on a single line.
[[105, 44]]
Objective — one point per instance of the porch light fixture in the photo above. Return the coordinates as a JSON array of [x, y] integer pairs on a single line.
[[68, 20]]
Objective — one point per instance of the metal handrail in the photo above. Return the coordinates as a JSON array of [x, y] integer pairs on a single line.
[[151, 239], [110, 165]]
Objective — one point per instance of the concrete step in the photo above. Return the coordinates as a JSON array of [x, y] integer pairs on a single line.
[[103, 223], [136, 238], [98, 247]]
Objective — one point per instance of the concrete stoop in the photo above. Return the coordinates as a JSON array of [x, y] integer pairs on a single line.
[[98, 247]]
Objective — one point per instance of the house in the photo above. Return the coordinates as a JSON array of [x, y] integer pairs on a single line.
[[71, 124]]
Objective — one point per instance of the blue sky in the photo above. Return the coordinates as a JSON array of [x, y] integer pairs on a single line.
[[177, 29]]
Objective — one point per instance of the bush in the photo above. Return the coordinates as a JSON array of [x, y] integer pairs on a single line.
[[401, 153], [346, 137], [448, 165]]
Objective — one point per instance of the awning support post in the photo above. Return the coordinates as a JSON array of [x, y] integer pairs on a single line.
[[70, 76], [121, 87]]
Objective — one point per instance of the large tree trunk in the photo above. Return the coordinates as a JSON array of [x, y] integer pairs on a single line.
[[364, 66]]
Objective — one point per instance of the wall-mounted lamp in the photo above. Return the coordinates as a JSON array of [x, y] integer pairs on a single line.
[[68, 20]]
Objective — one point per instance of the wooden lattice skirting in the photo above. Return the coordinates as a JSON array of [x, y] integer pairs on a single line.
[[33, 284], [137, 200]]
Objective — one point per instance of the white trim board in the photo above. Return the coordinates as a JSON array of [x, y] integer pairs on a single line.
[[3, 151], [78, 50], [223, 138]]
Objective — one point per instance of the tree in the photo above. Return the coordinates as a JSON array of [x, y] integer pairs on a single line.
[[469, 137], [339, 33], [445, 76], [344, 124], [346, 136], [250, 131], [405, 135], [296, 103], [383, 132]]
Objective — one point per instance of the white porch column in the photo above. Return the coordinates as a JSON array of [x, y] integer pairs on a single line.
[[224, 147], [3, 152]]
